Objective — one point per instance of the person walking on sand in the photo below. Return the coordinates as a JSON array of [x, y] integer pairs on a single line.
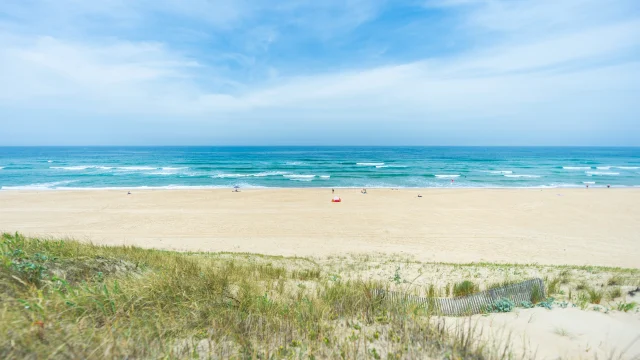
[[333, 191]]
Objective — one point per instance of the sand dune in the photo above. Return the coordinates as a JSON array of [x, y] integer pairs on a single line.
[[547, 226]]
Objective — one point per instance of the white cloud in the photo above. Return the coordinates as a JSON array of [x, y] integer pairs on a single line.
[[572, 71]]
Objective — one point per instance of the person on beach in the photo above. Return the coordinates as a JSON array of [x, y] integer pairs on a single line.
[[333, 191]]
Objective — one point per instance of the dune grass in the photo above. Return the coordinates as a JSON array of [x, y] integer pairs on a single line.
[[65, 299], [464, 288]]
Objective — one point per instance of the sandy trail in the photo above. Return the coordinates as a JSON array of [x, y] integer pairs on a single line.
[[547, 226]]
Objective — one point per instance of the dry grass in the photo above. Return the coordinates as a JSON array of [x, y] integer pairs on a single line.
[[65, 299]]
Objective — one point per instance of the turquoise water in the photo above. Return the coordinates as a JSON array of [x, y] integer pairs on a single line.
[[394, 167]]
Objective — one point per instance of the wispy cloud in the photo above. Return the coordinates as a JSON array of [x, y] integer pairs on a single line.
[[526, 68]]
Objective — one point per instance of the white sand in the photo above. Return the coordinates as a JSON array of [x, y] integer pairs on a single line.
[[550, 226], [559, 333]]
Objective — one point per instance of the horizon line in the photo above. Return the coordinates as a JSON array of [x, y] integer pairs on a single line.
[[325, 146]]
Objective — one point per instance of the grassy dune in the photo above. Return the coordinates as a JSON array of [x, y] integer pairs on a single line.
[[65, 299]]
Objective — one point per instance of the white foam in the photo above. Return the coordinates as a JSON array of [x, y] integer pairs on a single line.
[[521, 176], [72, 168], [370, 164], [299, 177], [391, 166], [262, 174], [224, 176], [498, 172], [629, 167], [168, 171], [576, 167], [325, 176], [269, 173], [1, 167], [39, 186], [601, 173], [589, 182], [294, 163], [49, 161], [603, 167], [167, 187], [135, 168], [439, 176]]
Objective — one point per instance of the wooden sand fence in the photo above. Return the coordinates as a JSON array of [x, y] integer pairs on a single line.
[[477, 303]]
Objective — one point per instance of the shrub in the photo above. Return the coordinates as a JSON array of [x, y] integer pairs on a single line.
[[595, 296], [547, 304], [501, 306], [615, 293], [553, 286], [615, 280], [464, 288], [622, 306], [536, 294]]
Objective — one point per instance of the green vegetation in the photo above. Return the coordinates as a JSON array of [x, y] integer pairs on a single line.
[[537, 294], [615, 280], [553, 286], [464, 288], [622, 306], [502, 284], [501, 306], [595, 296], [615, 293], [64, 299]]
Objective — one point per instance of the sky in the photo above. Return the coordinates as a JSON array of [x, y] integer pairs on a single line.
[[298, 72]]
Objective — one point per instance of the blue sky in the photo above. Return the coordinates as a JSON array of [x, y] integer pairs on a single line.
[[427, 72]]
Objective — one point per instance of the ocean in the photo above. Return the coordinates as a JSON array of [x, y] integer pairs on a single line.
[[58, 168]]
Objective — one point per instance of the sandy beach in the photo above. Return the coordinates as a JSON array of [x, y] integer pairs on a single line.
[[546, 226]]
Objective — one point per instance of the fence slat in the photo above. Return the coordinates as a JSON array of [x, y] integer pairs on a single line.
[[470, 304]]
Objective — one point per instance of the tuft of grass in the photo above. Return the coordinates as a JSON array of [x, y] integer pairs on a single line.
[[565, 276], [499, 284], [615, 293], [582, 286], [595, 296], [464, 288], [537, 295], [615, 280], [622, 306], [553, 286], [562, 332]]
